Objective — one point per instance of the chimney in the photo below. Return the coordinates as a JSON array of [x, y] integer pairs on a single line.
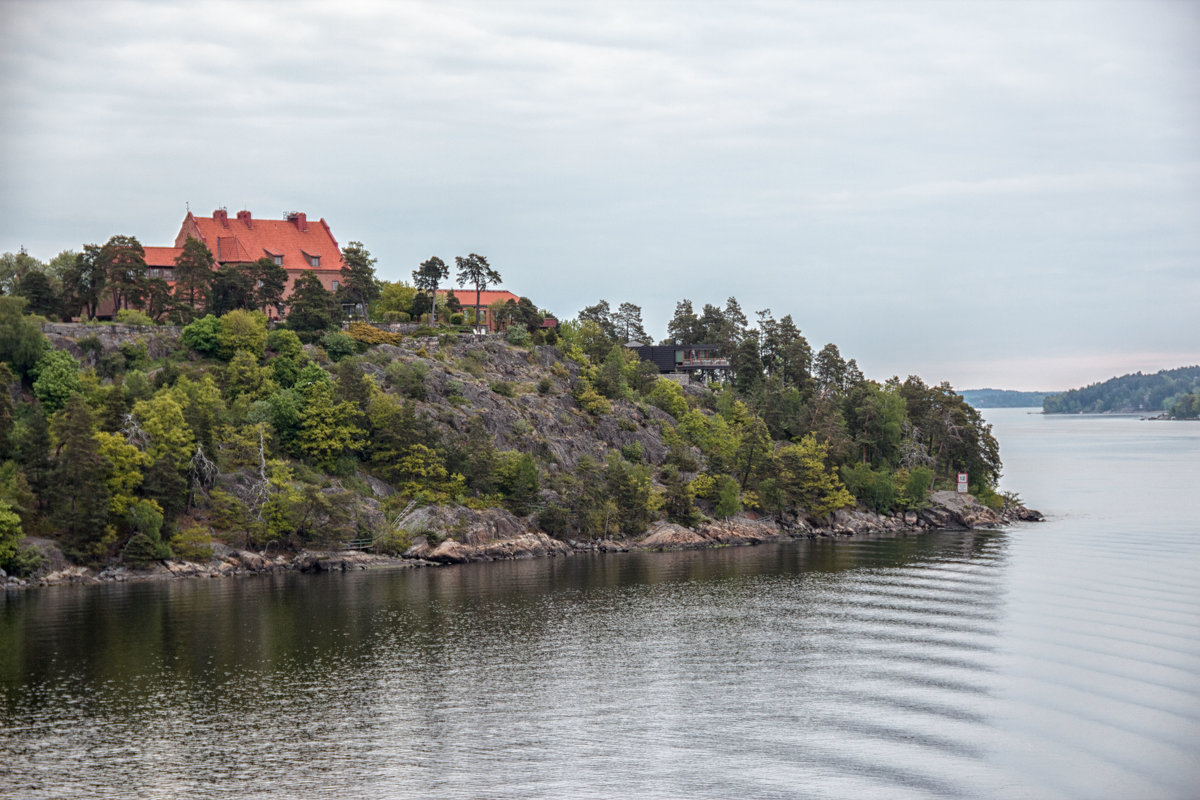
[[221, 216], [299, 219], [244, 216]]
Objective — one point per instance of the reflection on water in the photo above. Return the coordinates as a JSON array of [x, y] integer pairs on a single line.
[[1047, 661]]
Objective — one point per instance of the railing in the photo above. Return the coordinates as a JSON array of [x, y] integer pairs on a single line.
[[704, 362]]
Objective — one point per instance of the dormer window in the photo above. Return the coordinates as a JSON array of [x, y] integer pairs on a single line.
[[314, 261], [278, 260]]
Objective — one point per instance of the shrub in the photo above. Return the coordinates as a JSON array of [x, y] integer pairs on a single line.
[[667, 395], [141, 550], [128, 316], [522, 427], [369, 334], [545, 385], [242, 330], [626, 424], [56, 379], [518, 335], [408, 377], [192, 544], [555, 520], [134, 354], [338, 345], [457, 319], [202, 335], [504, 389], [633, 452]]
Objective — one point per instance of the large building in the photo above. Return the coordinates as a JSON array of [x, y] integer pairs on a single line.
[[293, 242]]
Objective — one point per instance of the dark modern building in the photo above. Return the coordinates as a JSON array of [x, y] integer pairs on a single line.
[[681, 358]]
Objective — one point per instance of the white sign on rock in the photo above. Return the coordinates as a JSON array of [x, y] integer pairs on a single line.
[[962, 483]]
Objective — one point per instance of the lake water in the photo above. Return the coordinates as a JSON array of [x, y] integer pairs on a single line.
[[1053, 660]]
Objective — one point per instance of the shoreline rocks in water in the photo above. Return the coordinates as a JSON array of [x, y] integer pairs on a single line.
[[456, 535]]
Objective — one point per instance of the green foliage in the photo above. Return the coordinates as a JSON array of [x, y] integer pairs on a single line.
[[667, 395], [678, 500], [517, 480], [801, 480], [590, 400], [10, 534], [203, 335], [338, 345], [504, 389], [728, 498], [192, 543], [313, 308], [1128, 393], [874, 488], [326, 425], [129, 316], [241, 330], [21, 341], [517, 335], [630, 489], [56, 378]]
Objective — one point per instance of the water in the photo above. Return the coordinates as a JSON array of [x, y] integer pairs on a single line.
[[1044, 661]]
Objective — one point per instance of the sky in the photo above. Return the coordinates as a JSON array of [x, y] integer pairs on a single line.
[[992, 194]]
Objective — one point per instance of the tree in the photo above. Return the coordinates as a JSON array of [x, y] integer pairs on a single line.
[[193, 276], [232, 288], [327, 430], [6, 408], [628, 320], [803, 480], [427, 276], [601, 314], [124, 261], [21, 340], [358, 284], [396, 297], [270, 281], [15, 266], [313, 308], [35, 287], [829, 370], [79, 497], [84, 281], [56, 378], [684, 327], [242, 330], [475, 271], [517, 480]]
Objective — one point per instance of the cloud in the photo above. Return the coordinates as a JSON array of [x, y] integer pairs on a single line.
[[878, 171]]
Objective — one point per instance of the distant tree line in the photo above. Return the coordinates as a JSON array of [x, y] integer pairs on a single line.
[[1164, 391]]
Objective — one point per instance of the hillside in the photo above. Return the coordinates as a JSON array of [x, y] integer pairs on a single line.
[[129, 446], [1003, 398], [1129, 394]]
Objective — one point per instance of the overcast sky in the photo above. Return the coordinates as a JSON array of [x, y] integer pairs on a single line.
[[995, 194]]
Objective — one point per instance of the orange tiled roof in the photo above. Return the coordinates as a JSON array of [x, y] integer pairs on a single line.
[[162, 256], [466, 296], [244, 238]]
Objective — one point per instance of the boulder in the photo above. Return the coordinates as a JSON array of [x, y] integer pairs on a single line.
[[669, 536]]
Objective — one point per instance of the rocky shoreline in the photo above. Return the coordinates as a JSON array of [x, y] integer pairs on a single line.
[[456, 535]]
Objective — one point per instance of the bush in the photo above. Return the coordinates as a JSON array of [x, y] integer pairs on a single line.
[[134, 354], [545, 385], [56, 379], [457, 319], [408, 377], [555, 520], [369, 334], [242, 330], [667, 395], [192, 544], [504, 389], [202, 335], [338, 345], [518, 335], [127, 316], [633, 452]]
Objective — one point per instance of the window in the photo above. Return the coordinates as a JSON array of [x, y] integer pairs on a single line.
[[278, 260], [154, 272], [335, 286], [314, 261]]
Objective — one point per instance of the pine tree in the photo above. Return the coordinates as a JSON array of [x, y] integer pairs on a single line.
[[193, 276], [78, 496]]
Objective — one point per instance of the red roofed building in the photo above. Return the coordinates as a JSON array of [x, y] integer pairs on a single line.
[[293, 242], [466, 296]]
